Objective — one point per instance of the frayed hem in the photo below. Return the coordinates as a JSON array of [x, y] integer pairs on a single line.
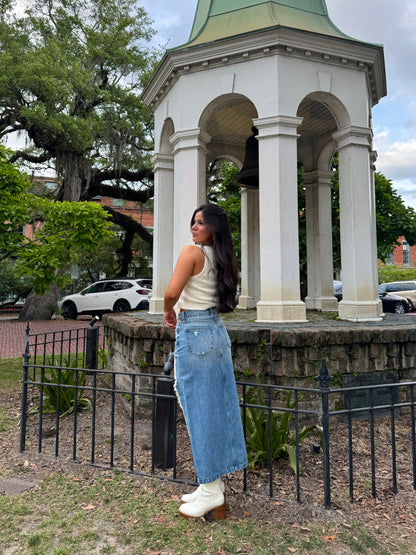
[[214, 477]]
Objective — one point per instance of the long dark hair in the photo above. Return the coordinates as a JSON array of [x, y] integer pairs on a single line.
[[216, 220]]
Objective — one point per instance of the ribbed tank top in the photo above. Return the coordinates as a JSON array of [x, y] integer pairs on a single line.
[[200, 292]]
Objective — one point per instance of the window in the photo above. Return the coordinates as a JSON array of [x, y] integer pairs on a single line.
[[117, 285], [406, 253], [95, 288]]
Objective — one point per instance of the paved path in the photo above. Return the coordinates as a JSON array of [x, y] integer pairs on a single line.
[[12, 332]]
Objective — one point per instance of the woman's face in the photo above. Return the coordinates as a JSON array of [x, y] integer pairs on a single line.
[[201, 233]]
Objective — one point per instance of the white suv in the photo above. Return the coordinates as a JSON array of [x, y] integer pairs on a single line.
[[109, 295]]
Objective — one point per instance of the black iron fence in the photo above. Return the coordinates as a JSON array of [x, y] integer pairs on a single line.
[[337, 442]]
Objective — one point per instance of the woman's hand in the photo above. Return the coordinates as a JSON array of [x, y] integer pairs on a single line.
[[169, 316]]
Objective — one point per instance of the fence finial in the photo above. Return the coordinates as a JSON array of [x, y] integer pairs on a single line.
[[324, 378]]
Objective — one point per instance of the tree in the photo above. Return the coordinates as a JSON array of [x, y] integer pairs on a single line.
[[46, 256], [70, 79]]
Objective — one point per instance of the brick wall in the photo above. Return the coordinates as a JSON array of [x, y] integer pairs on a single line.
[[279, 356]]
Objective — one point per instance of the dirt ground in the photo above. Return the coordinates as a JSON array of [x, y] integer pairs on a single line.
[[392, 514]]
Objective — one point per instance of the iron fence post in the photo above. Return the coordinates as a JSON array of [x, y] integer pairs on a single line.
[[25, 376], [324, 380], [91, 347], [164, 444]]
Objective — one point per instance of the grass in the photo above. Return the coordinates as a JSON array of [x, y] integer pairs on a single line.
[[10, 372], [117, 513]]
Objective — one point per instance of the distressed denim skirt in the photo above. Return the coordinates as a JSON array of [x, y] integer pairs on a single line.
[[206, 388]]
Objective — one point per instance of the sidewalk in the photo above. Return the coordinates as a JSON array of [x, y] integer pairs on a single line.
[[12, 332]]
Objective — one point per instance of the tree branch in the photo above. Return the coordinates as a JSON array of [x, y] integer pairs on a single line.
[[129, 224], [119, 192], [30, 157]]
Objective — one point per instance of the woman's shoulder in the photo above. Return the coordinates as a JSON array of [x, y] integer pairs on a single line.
[[192, 251]]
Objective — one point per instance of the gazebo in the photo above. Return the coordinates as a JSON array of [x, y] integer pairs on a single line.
[[308, 90]]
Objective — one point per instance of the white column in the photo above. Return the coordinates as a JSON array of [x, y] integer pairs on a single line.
[[189, 150], [162, 230], [373, 159], [360, 300], [319, 241], [250, 249], [279, 242]]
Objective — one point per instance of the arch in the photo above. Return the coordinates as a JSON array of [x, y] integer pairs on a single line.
[[228, 120], [168, 130], [323, 115]]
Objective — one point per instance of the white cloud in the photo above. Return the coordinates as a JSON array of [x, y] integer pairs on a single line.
[[397, 160]]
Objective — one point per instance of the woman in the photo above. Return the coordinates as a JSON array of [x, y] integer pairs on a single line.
[[203, 285]]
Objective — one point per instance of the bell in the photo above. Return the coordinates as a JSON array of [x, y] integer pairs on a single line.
[[249, 175]]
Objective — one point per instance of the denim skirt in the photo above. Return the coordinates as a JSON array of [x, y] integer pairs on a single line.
[[207, 392]]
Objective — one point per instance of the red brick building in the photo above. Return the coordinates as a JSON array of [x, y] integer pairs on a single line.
[[403, 254]]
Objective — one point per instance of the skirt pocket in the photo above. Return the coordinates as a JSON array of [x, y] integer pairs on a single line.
[[200, 340]]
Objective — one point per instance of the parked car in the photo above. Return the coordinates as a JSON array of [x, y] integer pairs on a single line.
[[406, 289], [391, 303], [108, 295]]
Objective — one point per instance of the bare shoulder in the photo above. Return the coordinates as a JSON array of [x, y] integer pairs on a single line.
[[192, 251]]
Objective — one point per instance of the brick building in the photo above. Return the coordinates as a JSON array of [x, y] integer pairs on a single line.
[[403, 254]]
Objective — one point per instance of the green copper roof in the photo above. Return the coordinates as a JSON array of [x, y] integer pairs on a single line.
[[220, 19]]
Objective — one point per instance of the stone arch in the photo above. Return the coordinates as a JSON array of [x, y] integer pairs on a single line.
[[228, 120]]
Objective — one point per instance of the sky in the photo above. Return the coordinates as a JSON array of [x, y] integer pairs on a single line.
[[388, 22]]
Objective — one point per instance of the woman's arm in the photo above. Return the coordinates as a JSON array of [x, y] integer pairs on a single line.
[[188, 264]]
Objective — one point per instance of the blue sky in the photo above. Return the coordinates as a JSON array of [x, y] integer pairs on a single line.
[[388, 22]]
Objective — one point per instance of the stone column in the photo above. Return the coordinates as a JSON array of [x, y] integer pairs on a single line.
[[279, 242], [357, 214], [319, 241], [189, 150], [250, 249], [163, 229]]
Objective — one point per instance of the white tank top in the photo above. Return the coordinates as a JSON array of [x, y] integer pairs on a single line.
[[200, 292]]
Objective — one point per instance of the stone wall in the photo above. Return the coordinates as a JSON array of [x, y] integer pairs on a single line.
[[279, 354]]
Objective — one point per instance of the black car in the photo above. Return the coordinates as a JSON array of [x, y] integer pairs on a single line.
[[391, 303]]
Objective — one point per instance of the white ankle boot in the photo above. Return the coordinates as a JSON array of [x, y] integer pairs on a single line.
[[191, 497], [210, 498]]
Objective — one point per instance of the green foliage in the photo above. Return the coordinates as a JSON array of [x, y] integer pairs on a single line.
[[394, 219], [12, 288], [261, 422], [66, 398], [395, 273], [57, 226]]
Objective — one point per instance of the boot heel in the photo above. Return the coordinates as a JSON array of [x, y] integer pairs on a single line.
[[219, 512]]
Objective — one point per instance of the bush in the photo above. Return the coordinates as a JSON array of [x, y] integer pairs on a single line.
[[70, 396], [387, 274], [258, 422]]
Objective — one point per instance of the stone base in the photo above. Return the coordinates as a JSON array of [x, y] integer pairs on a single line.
[[360, 311], [281, 311], [156, 305], [325, 304], [278, 352], [245, 302]]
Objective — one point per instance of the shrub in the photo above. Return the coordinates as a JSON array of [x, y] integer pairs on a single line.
[[258, 422], [70, 380]]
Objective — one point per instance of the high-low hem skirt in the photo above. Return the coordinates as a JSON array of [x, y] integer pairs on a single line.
[[207, 392]]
